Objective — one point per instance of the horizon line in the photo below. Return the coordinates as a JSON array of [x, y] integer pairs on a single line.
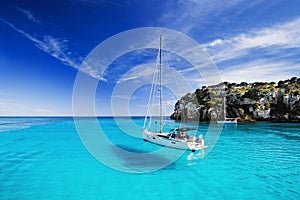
[[3, 116]]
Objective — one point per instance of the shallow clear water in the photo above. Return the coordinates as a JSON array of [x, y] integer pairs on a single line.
[[43, 158]]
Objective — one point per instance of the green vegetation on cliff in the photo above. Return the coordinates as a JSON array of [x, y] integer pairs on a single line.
[[247, 101]]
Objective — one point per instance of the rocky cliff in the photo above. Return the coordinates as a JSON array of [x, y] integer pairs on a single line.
[[248, 101]]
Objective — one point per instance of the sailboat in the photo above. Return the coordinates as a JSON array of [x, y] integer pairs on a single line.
[[176, 137], [226, 119]]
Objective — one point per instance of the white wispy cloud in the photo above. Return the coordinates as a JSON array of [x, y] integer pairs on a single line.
[[144, 72], [278, 37], [260, 54], [58, 48], [29, 15], [261, 70], [11, 108], [186, 15]]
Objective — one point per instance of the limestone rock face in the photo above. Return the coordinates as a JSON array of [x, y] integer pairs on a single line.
[[247, 101]]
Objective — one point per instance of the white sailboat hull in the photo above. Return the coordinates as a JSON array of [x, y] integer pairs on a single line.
[[157, 138], [228, 121]]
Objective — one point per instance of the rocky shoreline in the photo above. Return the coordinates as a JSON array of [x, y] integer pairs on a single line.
[[249, 102]]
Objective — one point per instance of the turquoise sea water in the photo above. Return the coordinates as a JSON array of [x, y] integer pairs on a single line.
[[43, 158]]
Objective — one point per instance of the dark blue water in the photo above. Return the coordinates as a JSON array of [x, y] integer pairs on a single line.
[[43, 158]]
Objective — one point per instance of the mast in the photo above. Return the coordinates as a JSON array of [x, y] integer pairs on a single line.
[[160, 85], [224, 107]]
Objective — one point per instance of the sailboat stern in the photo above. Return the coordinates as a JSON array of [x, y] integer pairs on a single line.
[[164, 139]]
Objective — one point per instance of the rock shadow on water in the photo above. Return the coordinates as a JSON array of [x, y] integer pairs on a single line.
[[288, 137], [141, 160], [285, 135]]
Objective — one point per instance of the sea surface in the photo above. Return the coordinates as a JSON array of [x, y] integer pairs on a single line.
[[44, 158]]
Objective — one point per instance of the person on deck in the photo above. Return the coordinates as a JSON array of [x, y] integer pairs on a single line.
[[201, 140]]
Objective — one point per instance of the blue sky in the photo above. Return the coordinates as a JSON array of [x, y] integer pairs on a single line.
[[43, 43]]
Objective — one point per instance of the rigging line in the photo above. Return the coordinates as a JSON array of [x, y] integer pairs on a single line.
[[154, 80], [151, 90], [160, 85], [153, 95], [166, 63], [148, 114], [174, 75], [174, 78], [154, 103], [173, 72]]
